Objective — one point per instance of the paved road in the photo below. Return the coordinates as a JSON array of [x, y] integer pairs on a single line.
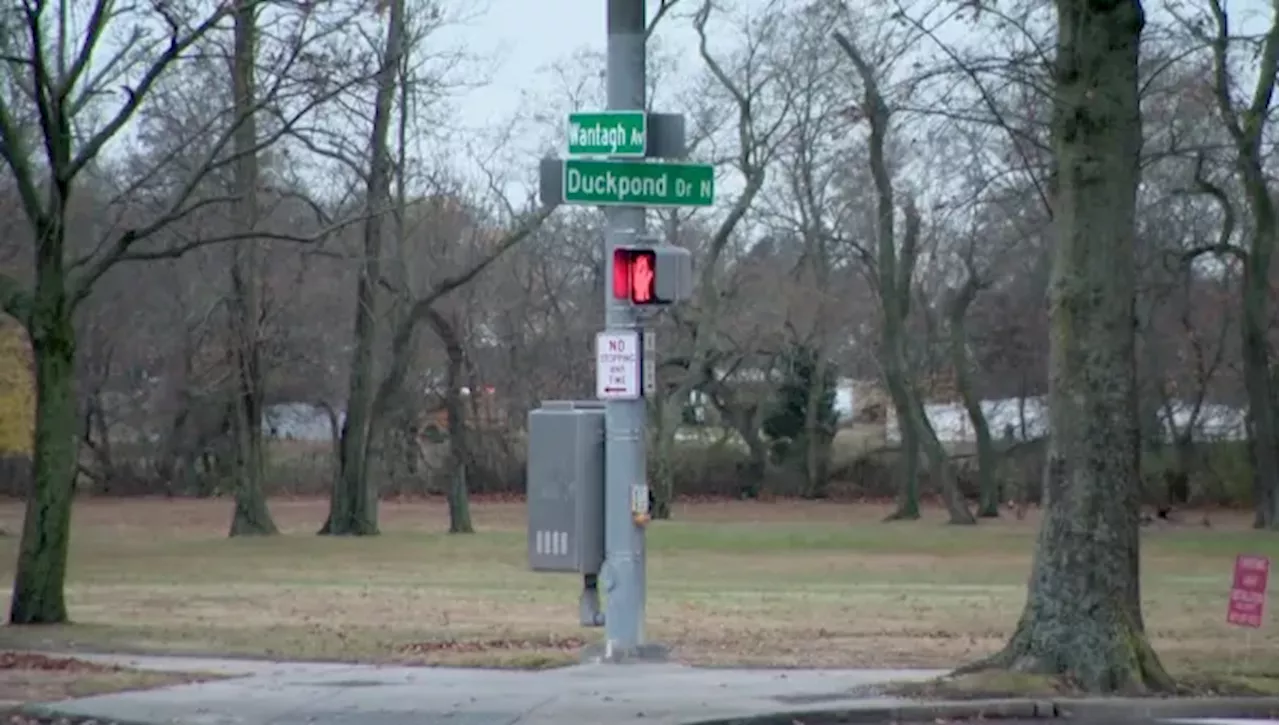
[[340, 694], [1095, 721]]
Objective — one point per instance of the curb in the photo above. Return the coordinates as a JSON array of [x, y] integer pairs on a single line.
[[905, 712], [1218, 707], [1024, 709], [49, 711]]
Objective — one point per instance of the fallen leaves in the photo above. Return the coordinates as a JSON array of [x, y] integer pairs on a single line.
[[27, 677], [549, 642], [45, 663]]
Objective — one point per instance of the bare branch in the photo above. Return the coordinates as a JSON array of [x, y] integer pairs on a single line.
[[179, 209], [1202, 185], [15, 300], [422, 307], [989, 101], [176, 47], [663, 9], [93, 33]]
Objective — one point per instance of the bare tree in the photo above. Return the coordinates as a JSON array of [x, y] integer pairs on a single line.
[[69, 89], [1246, 128], [894, 270], [353, 505], [251, 516], [756, 138], [961, 361]]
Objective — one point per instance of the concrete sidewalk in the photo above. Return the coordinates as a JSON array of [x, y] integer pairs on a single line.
[[341, 694]]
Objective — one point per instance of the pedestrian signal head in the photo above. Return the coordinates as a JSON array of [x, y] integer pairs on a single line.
[[656, 275]]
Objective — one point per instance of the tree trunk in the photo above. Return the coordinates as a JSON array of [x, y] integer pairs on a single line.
[[940, 464], [988, 484], [666, 419], [353, 505], [909, 464], [816, 438], [38, 583], [459, 453], [745, 418], [671, 410], [1246, 127], [1083, 615], [251, 516], [746, 421], [1260, 382]]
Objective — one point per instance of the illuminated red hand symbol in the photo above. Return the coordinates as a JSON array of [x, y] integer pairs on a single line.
[[641, 280]]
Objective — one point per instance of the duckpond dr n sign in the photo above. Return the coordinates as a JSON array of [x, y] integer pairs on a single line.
[[637, 183]]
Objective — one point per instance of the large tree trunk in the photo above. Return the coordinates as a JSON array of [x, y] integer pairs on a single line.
[[1083, 615], [353, 505], [251, 516], [46, 529], [459, 452]]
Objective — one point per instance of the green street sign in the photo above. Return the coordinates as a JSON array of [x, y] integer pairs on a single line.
[[637, 183], [607, 133]]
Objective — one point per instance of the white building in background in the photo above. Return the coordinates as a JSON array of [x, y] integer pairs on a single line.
[[1029, 419], [298, 422]]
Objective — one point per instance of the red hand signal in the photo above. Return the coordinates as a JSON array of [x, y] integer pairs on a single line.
[[641, 279]]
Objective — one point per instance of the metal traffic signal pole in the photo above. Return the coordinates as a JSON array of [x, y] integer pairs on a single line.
[[624, 569], [621, 164]]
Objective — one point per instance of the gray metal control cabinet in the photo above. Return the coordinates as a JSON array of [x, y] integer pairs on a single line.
[[565, 486]]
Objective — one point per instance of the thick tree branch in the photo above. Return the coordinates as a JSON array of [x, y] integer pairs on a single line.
[[15, 153], [93, 33], [179, 209], [751, 158], [422, 307], [15, 300], [1202, 185], [1249, 132], [663, 8]]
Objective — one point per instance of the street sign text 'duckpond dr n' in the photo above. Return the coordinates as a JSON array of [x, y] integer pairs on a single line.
[[638, 183]]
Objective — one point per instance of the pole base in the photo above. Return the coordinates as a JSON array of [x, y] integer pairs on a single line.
[[647, 653], [589, 614]]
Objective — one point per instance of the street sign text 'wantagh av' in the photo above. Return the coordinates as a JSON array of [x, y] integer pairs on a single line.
[[638, 183], [608, 133]]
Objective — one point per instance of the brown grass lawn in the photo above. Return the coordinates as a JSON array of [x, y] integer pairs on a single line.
[[816, 584]]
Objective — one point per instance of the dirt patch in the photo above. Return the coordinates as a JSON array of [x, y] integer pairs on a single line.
[[28, 678]]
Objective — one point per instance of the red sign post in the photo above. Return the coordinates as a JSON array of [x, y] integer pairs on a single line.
[[1248, 591]]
